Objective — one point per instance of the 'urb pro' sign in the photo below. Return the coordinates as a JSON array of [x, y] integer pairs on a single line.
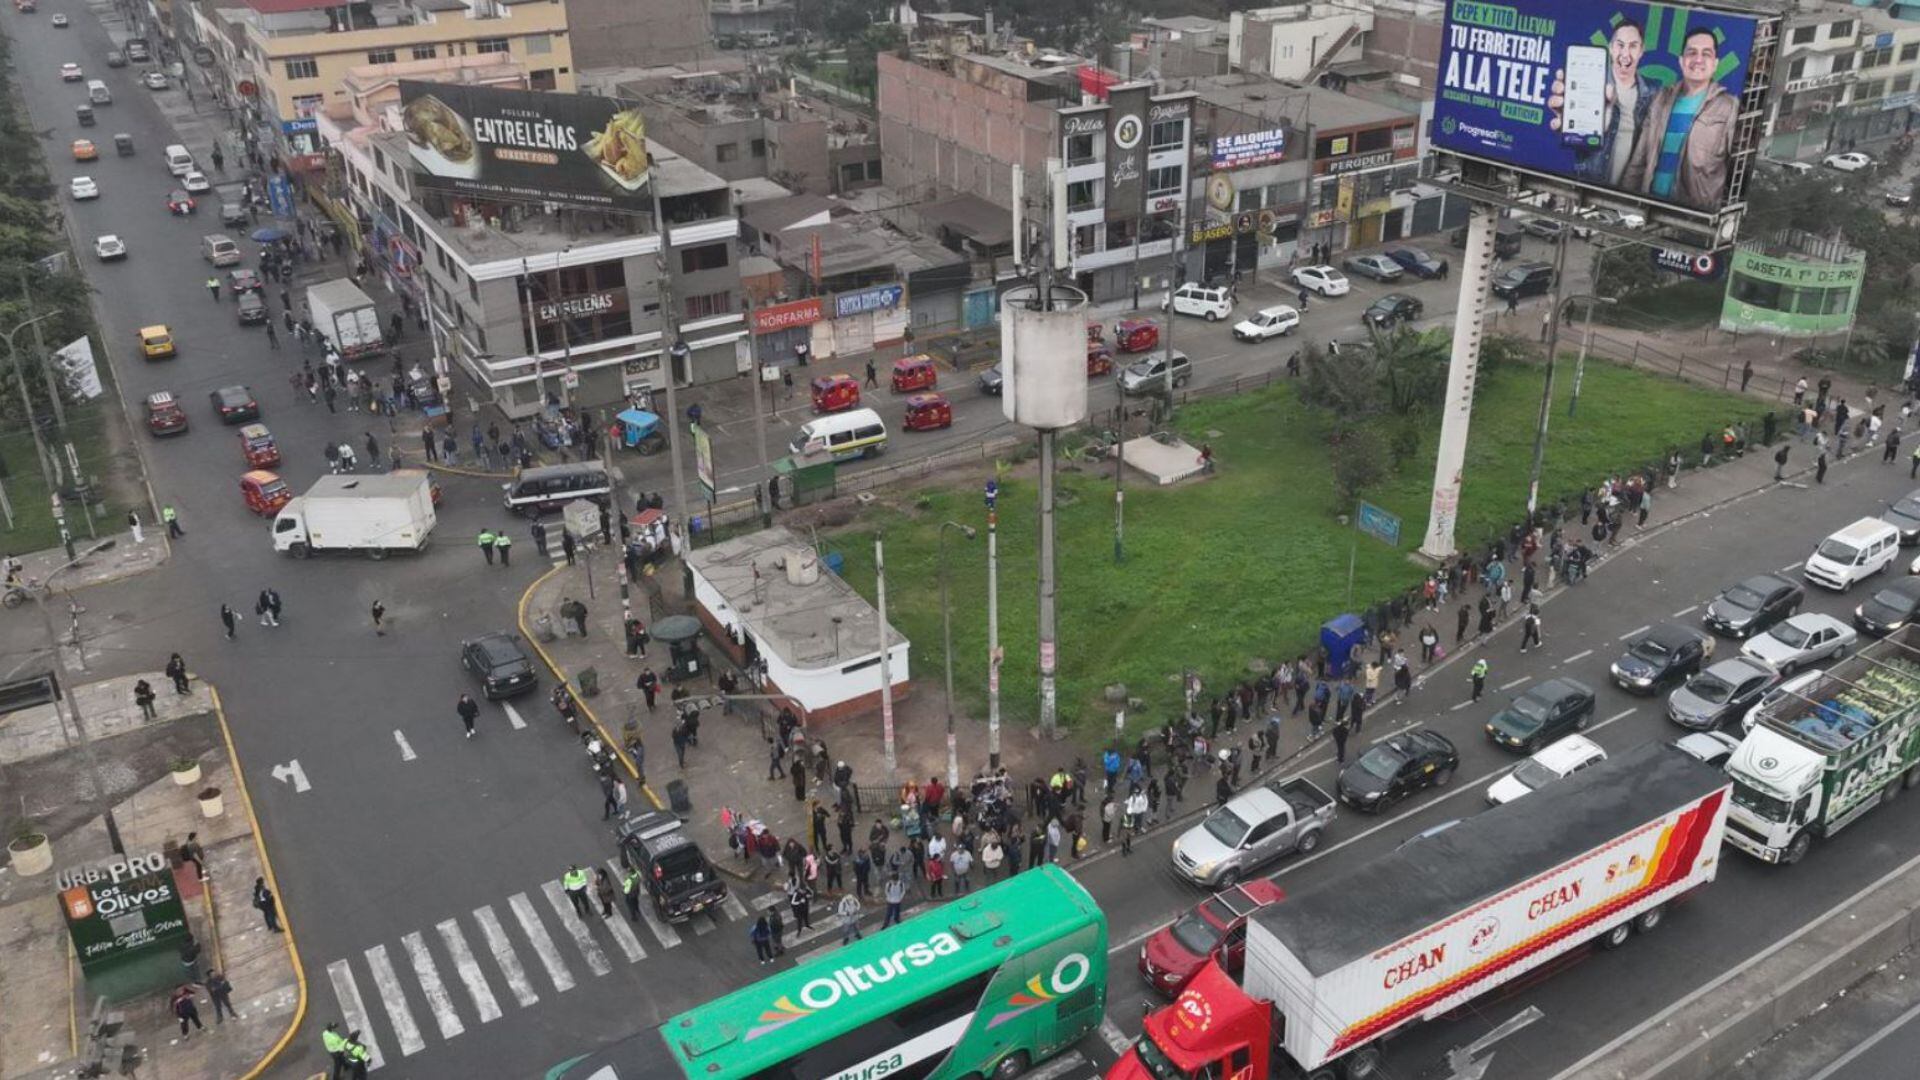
[[1637, 99]]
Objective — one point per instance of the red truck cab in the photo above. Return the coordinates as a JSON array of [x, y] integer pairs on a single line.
[[1213, 1029], [1215, 930]]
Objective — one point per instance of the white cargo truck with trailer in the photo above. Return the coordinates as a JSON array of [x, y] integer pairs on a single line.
[[377, 514], [1815, 761], [345, 317], [1417, 933]]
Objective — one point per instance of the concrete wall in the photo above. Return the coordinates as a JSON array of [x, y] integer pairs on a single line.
[[959, 134], [1408, 47], [653, 33]]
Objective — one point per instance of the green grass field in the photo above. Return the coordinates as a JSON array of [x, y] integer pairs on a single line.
[[1247, 564]]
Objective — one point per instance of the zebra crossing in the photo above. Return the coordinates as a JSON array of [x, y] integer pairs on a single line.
[[462, 972]]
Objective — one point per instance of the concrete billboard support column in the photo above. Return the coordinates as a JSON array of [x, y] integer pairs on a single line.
[[1468, 328]]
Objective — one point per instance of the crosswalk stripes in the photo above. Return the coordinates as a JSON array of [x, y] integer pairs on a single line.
[[439, 1002], [353, 1010], [563, 909], [452, 1010], [468, 968], [536, 932], [387, 982], [661, 929], [509, 960]]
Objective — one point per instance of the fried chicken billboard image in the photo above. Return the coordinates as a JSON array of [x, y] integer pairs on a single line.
[[575, 149]]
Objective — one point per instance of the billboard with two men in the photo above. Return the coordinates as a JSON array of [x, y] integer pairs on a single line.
[[1640, 100]]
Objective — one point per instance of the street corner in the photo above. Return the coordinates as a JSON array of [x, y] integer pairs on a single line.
[[98, 561]]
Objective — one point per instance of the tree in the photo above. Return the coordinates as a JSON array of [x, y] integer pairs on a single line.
[[1361, 459]]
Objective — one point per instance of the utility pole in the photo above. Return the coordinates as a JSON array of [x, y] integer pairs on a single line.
[[46, 369], [886, 669], [26, 402], [672, 350], [533, 334], [993, 626], [1546, 391], [89, 754], [1586, 341], [946, 634]]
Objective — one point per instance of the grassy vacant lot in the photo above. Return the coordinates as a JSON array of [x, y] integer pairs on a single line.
[[103, 456], [1246, 564]]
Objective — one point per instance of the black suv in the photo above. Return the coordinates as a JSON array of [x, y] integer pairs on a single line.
[[1390, 309], [1524, 279], [677, 874], [1753, 605], [1541, 715], [1660, 657], [252, 309], [500, 664], [235, 404]]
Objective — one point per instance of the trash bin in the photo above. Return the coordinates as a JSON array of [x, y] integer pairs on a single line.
[[543, 627], [677, 797], [589, 680]]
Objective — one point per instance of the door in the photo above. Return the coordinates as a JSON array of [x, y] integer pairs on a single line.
[[1392, 226], [978, 308]]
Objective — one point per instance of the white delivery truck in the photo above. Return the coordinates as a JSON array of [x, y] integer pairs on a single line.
[[376, 514], [1815, 760], [1331, 972], [346, 317]]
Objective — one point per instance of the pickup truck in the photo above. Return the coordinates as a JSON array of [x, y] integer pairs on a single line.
[[1256, 826]]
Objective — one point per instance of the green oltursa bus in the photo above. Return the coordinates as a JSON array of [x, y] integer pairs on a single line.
[[983, 986]]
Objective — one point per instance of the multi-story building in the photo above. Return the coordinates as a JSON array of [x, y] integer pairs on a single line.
[[624, 33], [737, 129], [284, 61], [750, 22], [532, 301], [1845, 78], [1297, 42], [955, 118]]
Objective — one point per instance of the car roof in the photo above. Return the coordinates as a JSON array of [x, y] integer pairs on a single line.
[[157, 328], [1705, 744], [1760, 583], [1672, 635], [1278, 309], [1813, 620], [1555, 689], [160, 398], [1739, 667], [1905, 586], [1563, 755]]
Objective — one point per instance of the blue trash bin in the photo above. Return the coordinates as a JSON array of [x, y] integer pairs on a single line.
[[1340, 636]]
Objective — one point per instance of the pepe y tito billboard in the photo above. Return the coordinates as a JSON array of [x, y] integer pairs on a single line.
[[527, 146], [1641, 100]]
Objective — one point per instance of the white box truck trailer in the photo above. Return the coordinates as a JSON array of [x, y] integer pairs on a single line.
[[376, 514], [346, 317]]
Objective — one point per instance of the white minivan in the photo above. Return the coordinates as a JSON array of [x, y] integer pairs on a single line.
[[1208, 302], [179, 162], [1856, 552], [851, 434]]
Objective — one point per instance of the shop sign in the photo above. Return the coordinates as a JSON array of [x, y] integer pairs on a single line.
[[1359, 163], [794, 313], [121, 908], [1210, 233], [583, 306], [1249, 149], [878, 298]]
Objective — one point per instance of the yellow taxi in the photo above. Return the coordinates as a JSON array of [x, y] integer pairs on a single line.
[[84, 150], [156, 342]]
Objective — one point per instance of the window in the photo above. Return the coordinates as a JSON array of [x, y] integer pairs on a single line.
[[538, 43], [1079, 149], [706, 307], [1902, 84], [302, 67], [1166, 133], [1843, 63], [1867, 91], [1080, 195], [726, 152], [1797, 70], [305, 105], [1841, 29], [490, 45], [758, 148], [382, 56], [832, 1057], [1084, 242], [1250, 199], [1163, 180], [1804, 35], [1120, 233], [704, 257], [424, 52], [1910, 53], [1874, 58], [542, 79], [473, 289]]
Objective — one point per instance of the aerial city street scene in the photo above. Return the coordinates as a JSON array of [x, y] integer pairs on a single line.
[[912, 539]]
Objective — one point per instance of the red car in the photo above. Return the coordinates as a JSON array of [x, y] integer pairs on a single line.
[[1214, 930], [180, 203]]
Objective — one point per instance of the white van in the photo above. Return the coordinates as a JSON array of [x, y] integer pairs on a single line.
[[219, 250], [1858, 551], [179, 162], [851, 434], [1209, 302], [98, 93]]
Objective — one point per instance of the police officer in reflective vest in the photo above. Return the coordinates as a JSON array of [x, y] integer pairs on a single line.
[[487, 540], [358, 1056], [631, 886], [503, 544], [336, 1047], [173, 522]]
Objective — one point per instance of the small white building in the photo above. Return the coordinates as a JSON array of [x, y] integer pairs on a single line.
[[819, 638]]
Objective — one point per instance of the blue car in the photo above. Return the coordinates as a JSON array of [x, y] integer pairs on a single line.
[[1418, 262]]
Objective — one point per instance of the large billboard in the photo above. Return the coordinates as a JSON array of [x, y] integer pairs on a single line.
[[1126, 150], [1637, 99], [527, 146]]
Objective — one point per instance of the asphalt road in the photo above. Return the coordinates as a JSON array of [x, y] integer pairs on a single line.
[[412, 849]]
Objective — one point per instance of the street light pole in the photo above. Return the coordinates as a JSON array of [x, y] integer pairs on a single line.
[[946, 633], [1546, 391], [673, 352], [88, 753], [993, 626], [1586, 341]]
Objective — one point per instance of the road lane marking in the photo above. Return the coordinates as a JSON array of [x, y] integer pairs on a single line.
[[1616, 716], [1684, 612], [406, 748], [733, 907], [1791, 567], [1116, 1039], [504, 955], [624, 936], [1577, 657], [1058, 1067], [563, 907], [513, 716], [428, 973], [353, 1010], [1633, 632], [661, 928], [766, 900], [1516, 682], [543, 947], [706, 924], [388, 983], [468, 969], [1460, 706]]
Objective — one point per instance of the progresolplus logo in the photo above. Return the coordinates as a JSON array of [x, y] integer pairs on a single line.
[[1489, 134], [826, 991]]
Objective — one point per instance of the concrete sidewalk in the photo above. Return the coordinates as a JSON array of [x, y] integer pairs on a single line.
[[43, 1029]]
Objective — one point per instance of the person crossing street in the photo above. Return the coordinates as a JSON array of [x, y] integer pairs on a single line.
[[574, 881], [1479, 676], [335, 1045], [503, 544], [469, 710], [487, 540], [1530, 627]]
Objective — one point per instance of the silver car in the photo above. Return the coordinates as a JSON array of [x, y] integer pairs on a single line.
[[1724, 691], [1807, 638], [1261, 823]]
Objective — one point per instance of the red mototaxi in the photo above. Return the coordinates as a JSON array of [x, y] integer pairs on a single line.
[[836, 393], [912, 373], [257, 444], [1099, 361], [1136, 335], [264, 492], [928, 412]]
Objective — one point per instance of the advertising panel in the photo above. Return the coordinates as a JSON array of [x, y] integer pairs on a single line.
[[1637, 99], [877, 298], [122, 908], [1126, 150], [786, 316], [703, 459], [1250, 148], [525, 145]]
